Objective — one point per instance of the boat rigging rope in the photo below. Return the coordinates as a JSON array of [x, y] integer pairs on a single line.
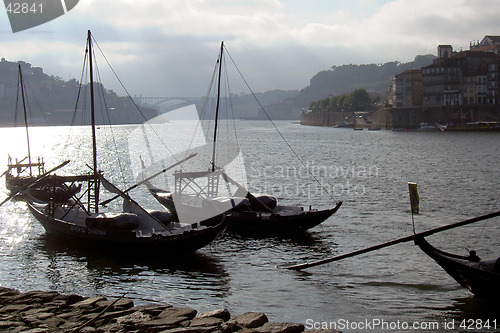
[[276, 128], [204, 108], [134, 103], [103, 100]]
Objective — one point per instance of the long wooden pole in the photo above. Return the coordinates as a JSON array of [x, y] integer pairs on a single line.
[[25, 117], [217, 107], [92, 117], [92, 113], [393, 242]]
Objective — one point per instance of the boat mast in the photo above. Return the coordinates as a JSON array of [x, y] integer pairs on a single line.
[[217, 105], [25, 117], [92, 117]]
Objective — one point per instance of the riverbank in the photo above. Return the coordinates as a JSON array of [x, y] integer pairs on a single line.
[[404, 118], [49, 311]]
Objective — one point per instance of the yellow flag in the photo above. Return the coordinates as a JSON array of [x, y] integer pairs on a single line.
[[414, 199]]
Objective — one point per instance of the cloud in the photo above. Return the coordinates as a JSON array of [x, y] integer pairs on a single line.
[[169, 47]]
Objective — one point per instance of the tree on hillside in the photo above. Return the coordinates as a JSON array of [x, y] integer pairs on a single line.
[[356, 101], [342, 79]]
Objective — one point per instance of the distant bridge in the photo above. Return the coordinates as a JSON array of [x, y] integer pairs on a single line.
[[156, 101]]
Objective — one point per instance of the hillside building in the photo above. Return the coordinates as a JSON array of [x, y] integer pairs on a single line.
[[408, 88], [487, 44], [454, 79]]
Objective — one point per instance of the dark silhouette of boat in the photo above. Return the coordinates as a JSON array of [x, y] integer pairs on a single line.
[[133, 228], [245, 213], [481, 277], [23, 175]]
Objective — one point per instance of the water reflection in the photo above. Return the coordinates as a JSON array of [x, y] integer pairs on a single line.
[[473, 307], [142, 277], [278, 250], [454, 174]]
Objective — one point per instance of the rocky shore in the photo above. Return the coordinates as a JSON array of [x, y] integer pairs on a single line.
[[49, 311]]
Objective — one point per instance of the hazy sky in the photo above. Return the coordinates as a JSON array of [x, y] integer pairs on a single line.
[[169, 47]]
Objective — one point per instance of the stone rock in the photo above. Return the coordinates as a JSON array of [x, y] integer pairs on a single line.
[[245, 330], [57, 303], [36, 330], [152, 309], [112, 327], [109, 316], [52, 322], [133, 320], [89, 302], [249, 320], [122, 304], [87, 330], [166, 322], [220, 313], [8, 292], [178, 312], [229, 327], [32, 297], [5, 324], [207, 321], [15, 308], [197, 329], [69, 299], [39, 311], [274, 327]]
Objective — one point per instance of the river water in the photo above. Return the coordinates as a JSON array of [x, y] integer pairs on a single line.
[[457, 176]]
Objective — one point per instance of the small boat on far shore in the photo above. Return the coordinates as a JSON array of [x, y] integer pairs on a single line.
[[480, 126], [427, 127]]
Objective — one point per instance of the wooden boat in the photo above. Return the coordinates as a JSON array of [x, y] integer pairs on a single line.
[[427, 127], [22, 173], [465, 123], [245, 213], [251, 215], [477, 126], [133, 228], [481, 277]]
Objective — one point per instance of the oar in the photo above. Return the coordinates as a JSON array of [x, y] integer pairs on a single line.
[[5, 172], [36, 180], [104, 203], [395, 241]]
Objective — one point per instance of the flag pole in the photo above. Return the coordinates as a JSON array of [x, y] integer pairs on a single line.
[[414, 202]]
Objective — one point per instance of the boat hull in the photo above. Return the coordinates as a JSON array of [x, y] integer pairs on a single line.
[[262, 223], [117, 239], [481, 281]]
